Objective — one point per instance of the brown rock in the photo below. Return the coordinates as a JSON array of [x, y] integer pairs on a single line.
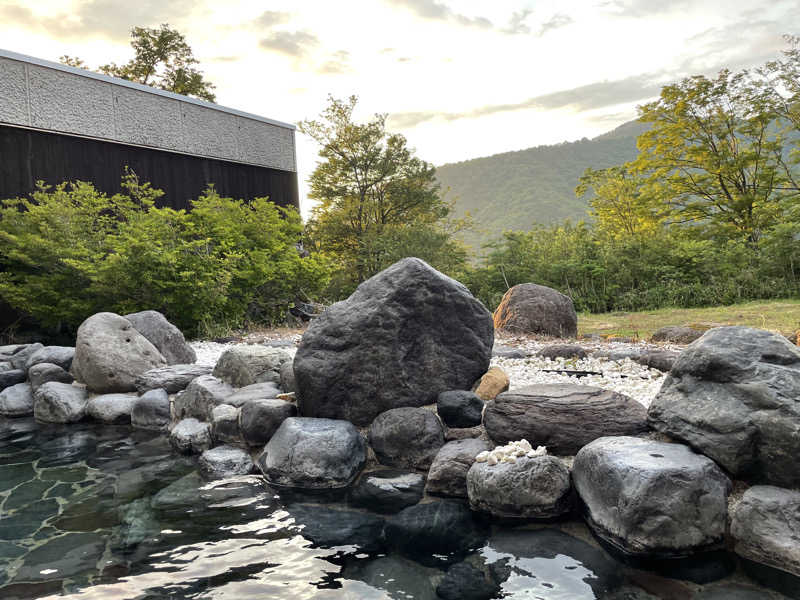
[[532, 308], [494, 382]]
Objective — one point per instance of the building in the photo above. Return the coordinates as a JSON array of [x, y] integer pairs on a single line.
[[59, 123]]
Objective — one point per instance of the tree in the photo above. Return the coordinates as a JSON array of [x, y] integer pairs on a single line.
[[377, 201], [162, 59]]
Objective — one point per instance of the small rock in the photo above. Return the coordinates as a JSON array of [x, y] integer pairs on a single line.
[[465, 433], [163, 335], [287, 382], [256, 391], [111, 408], [562, 351], [676, 335], [151, 411], [494, 382], [55, 355], [459, 408], [661, 360], [224, 461], [406, 437], [245, 365], [260, 419], [201, 396], [16, 401], [173, 378], [56, 402], [225, 424], [388, 490], [448, 473], [190, 436], [42, 373]]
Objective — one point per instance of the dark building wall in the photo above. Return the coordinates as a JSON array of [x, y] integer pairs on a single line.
[[27, 156]]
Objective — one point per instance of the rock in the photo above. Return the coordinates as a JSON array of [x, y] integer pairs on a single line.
[[56, 402], [260, 419], [201, 396], [190, 436], [562, 351], [151, 411], [502, 351], [464, 433], [464, 582], [42, 373], [19, 359], [16, 401], [531, 308], [732, 395], [244, 365], [731, 591], [5, 366], [388, 490], [313, 454], [395, 577], [459, 408], [406, 437], [13, 377], [163, 335], [661, 360], [55, 355], [111, 408], [564, 416], [435, 532], [330, 527], [528, 488], [651, 498], [224, 461], [110, 353], [256, 391], [193, 491], [287, 382], [225, 424], [403, 337], [494, 382], [448, 473], [766, 527], [173, 378], [676, 335]]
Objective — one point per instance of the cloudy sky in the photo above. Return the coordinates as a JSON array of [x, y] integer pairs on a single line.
[[460, 78]]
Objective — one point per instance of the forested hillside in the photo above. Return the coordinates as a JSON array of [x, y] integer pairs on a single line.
[[515, 190]]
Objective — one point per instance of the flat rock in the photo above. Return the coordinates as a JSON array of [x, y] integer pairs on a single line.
[[388, 490], [404, 336], [766, 527], [459, 408], [676, 334], [13, 377], [190, 436], [260, 419], [255, 391], [529, 488], [173, 378], [111, 408], [19, 359], [56, 402], [163, 335], [554, 351], [310, 453], [110, 354], [247, 364], [17, 401], [406, 437], [650, 498], [55, 355], [224, 461], [448, 472], [532, 308], [225, 424], [732, 395], [151, 411], [42, 373], [493, 382], [563, 417], [201, 396]]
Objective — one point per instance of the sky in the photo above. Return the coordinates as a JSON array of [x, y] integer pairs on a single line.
[[459, 78]]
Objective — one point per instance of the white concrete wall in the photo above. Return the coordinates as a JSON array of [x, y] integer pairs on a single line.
[[52, 97]]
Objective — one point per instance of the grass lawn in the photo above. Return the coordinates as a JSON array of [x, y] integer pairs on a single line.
[[777, 315]]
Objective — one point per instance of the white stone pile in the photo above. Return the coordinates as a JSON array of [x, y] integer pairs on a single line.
[[510, 453]]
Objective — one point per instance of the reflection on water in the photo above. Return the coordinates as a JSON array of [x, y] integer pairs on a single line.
[[95, 512]]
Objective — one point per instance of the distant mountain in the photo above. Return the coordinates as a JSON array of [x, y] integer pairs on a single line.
[[516, 190]]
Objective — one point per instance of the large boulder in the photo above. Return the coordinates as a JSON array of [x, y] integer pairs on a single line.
[[163, 335], [225, 424], [224, 461], [201, 396], [16, 401], [173, 378], [111, 408], [12, 377], [406, 437], [56, 402], [248, 364], [448, 472], [650, 498], [528, 488], [404, 336], [459, 408], [532, 308], [151, 411], [562, 416], [388, 490], [191, 436], [313, 454], [41, 373], [110, 354], [732, 395], [766, 527], [260, 419], [19, 358], [56, 355]]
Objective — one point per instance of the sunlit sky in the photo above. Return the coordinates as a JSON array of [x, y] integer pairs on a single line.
[[459, 78]]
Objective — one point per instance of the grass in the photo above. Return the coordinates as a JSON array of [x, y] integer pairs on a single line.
[[778, 315]]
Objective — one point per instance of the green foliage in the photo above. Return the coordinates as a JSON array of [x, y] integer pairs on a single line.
[[72, 251], [162, 59]]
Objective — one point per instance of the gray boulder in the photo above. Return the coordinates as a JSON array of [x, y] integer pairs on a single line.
[[459, 408], [111, 408], [406, 437], [530, 488], [313, 454], [287, 382], [163, 335], [651, 498], [151, 411], [250, 393], [56, 402], [554, 351], [224, 461], [260, 419], [13, 377], [532, 308], [404, 336], [5, 365], [564, 416], [766, 527], [388, 490], [201, 396], [190, 436], [661, 360], [19, 359], [173, 378], [225, 424], [448, 473], [676, 334], [55, 355], [245, 364], [732, 395], [16, 401], [41, 373], [110, 354]]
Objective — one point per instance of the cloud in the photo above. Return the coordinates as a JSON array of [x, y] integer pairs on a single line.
[[438, 11], [645, 8], [557, 21], [516, 24], [338, 63], [296, 44], [270, 18]]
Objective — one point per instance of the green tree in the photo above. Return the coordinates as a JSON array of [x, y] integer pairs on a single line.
[[162, 59]]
